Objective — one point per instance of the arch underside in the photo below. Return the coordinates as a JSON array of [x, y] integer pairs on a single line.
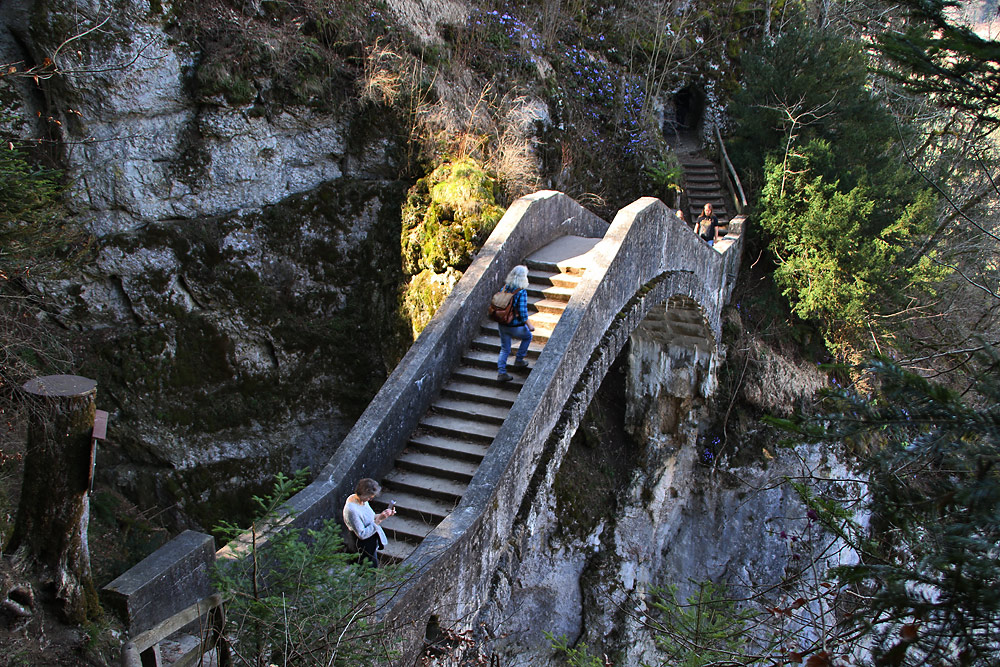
[[661, 312], [679, 321]]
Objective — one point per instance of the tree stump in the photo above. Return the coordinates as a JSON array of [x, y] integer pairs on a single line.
[[54, 509]]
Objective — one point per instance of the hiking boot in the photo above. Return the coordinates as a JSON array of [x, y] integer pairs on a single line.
[[520, 363], [504, 377]]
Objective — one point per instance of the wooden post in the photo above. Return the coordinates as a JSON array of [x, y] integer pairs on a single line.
[[54, 509]]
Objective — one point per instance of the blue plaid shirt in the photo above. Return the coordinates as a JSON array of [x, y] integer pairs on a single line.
[[520, 306]]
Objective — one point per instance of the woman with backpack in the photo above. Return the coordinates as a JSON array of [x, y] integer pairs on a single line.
[[519, 327]]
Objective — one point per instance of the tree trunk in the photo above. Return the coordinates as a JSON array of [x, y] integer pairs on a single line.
[[54, 509]]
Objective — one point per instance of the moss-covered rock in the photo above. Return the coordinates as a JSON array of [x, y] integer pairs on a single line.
[[447, 217], [424, 295], [250, 325]]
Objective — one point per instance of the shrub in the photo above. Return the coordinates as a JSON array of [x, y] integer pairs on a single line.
[[301, 599]]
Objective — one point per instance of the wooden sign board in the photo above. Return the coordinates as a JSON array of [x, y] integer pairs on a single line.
[[101, 425]]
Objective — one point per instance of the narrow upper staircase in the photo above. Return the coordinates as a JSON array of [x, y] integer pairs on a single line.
[[445, 450], [702, 183]]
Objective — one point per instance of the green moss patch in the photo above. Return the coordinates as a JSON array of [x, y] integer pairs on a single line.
[[424, 295], [447, 217]]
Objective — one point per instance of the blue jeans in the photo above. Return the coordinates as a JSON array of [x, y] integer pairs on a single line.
[[506, 333]]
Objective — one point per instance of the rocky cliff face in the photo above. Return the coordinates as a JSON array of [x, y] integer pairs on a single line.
[[640, 501], [240, 306]]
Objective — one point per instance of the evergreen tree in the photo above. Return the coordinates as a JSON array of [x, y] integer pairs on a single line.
[[932, 55], [301, 599], [843, 212], [928, 576], [841, 250]]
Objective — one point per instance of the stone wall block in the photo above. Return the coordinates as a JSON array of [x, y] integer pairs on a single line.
[[172, 578]]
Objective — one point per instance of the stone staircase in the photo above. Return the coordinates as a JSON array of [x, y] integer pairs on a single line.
[[445, 450], [701, 181]]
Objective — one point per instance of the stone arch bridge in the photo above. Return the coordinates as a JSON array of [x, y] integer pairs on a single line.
[[645, 276]]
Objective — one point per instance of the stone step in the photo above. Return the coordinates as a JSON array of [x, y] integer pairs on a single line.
[[487, 377], [708, 195], [491, 343], [548, 278], [484, 412], [488, 359], [455, 448], [461, 427], [691, 160], [395, 552], [548, 306], [429, 486], [699, 168], [415, 505], [550, 292], [554, 268], [480, 392], [407, 529], [436, 465], [546, 321], [710, 187], [700, 178]]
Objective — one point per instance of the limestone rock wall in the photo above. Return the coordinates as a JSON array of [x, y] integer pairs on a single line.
[[240, 305]]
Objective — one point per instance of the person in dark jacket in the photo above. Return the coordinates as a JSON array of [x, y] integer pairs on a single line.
[[519, 327], [707, 225]]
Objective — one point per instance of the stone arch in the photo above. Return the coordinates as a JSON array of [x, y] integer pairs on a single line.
[[668, 328], [672, 362]]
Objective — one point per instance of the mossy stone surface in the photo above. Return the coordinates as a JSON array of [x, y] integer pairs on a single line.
[[255, 323]]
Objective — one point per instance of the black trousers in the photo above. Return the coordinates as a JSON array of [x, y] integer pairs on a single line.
[[368, 550]]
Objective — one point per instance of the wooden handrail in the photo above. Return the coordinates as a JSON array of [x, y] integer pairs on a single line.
[[133, 649], [730, 169]]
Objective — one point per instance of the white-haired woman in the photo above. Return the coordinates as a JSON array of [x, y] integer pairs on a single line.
[[519, 327]]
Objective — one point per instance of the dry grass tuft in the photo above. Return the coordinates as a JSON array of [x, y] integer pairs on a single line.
[[469, 120], [383, 79]]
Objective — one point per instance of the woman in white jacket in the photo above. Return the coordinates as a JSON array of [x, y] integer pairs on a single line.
[[361, 519]]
